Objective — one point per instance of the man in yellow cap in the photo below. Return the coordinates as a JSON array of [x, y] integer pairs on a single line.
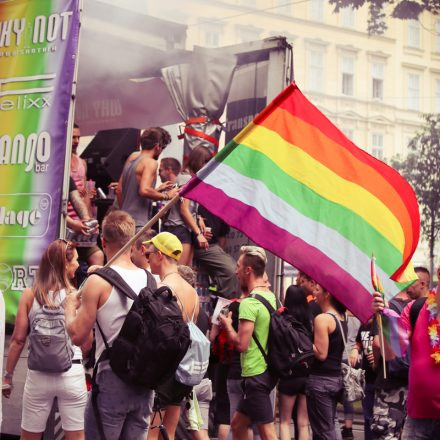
[[163, 252]]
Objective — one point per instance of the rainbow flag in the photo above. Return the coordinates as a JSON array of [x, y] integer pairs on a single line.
[[298, 187], [395, 333]]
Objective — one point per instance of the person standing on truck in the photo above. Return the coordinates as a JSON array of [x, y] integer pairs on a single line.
[[78, 172], [136, 188]]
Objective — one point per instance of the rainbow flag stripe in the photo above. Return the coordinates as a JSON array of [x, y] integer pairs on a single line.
[[300, 188], [395, 333]]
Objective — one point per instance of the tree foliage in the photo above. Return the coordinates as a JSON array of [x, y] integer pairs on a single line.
[[402, 9], [421, 169]]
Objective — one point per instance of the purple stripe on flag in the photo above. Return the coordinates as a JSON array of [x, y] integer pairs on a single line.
[[285, 245], [394, 332]]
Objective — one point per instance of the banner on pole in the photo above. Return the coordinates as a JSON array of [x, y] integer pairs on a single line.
[[38, 48]]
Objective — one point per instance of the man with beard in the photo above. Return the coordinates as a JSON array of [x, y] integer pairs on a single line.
[[136, 190]]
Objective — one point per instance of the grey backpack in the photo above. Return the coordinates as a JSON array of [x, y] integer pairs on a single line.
[[50, 347]]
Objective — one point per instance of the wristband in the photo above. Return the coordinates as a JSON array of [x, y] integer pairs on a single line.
[[7, 375]]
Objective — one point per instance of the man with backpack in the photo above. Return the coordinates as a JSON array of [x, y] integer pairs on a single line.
[[115, 409], [389, 409], [254, 320], [421, 320]]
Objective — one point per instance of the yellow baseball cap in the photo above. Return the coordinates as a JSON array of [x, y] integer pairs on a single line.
[[167, 243]]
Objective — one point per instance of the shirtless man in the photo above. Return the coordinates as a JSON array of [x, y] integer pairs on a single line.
[[163, 251], [136, 188]]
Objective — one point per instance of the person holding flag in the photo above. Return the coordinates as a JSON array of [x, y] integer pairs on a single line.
[[420, 319]]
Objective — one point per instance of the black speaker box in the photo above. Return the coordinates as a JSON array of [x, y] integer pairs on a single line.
[[107, 153]]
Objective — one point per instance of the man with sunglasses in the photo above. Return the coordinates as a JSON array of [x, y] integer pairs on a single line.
[[255, 405], [164, 251]]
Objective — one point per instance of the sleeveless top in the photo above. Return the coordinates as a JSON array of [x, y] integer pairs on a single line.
[[79, 176], [174, 218], [138, 207], [111, 315], [36, 307], [332, 365]]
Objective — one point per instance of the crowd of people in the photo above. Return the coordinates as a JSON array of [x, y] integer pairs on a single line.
[[404, 404]]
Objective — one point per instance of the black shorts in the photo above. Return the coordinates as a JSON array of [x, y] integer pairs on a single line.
[[171, 392], [255, 402], [292, 386], [181, 232]]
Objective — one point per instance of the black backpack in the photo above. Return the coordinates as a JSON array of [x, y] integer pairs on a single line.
[[290, 347], [153, 339], [415, 310]]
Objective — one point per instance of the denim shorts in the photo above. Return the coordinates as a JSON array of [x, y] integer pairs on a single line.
[[256, 402], [323, 394], [124, 410]]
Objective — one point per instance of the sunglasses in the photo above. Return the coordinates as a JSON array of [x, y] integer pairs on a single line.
[[69, 248], [148, 253]]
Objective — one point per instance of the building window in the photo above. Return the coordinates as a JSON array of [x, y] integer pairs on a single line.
[[413, 33], [347, 75], [285, 8], [377, 75], [413, 91], [248, 3], [244, 35], [437, 36], [349, 132], [348, 17], [211, 37], [316, 70], [377, 145], [316, 10], [437, 96]]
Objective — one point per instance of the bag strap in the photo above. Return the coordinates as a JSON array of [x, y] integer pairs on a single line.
[[116, 280], [151, 281], [271, 310], [183, 306], [111, 276], [338, 322], [415, 310]]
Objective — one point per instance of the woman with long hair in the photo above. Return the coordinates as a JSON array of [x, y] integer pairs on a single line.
[[293, 390], [324, 385], [51, 286]]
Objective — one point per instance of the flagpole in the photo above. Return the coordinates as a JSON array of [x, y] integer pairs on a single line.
[[377, 285], [382, 344], [144, 228]]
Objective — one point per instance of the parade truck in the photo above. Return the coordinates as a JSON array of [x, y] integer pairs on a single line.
[[114, 73]]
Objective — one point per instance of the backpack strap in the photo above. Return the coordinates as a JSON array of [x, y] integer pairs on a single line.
[[415, 310], [111, 276], [151, 281], [271, 310], [397, 306]]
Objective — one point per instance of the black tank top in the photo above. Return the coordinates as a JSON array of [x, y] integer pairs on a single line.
[[332, 365]]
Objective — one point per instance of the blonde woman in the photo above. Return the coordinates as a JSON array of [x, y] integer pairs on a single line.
[[52, 284]]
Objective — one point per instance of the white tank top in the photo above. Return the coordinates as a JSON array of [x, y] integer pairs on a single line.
[[111, 315]]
